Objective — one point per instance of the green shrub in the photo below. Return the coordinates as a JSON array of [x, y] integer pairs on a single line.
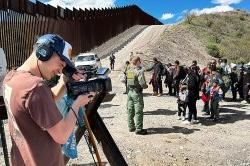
[[242, 17], [213, 50], [225, 35], [209, 23]]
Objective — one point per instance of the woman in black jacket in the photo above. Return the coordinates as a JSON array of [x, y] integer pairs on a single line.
[[193, 82]]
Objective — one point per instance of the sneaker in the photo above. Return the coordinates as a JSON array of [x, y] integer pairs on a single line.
[[155, 94], [159, 95], [243, 102], [186, 122], [183, 118], [179, 118], [131, 130], [141, 132], [195, 121]]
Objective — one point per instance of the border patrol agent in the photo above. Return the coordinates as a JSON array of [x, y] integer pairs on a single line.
[[136, 83]]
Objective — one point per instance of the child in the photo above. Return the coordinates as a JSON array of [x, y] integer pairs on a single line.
[[153, 82], [215, 97], [205, 95], [182, 102]]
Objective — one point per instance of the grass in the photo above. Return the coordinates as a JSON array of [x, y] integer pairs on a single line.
[[225, 35]]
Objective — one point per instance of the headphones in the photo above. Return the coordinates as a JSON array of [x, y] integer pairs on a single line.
[[47, 45]]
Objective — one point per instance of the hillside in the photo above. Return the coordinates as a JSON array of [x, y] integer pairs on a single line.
[[179, 43], [224, 35]]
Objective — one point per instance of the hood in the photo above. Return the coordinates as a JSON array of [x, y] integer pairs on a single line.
[[85, 63]]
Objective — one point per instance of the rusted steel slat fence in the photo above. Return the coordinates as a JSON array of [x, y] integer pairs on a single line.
[[22, 21]]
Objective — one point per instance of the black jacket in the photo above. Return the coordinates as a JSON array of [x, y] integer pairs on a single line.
[[193, 83]]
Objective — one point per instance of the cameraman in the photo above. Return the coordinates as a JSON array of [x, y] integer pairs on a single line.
[[37, 128]]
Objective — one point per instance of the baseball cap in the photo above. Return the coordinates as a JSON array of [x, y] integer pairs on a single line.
[[62, 48]]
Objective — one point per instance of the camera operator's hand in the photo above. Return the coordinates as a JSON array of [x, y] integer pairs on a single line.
[[82, 100], [79, 75]]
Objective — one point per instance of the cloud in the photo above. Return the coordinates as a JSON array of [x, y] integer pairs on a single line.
[[166, 16], [216, 9], [184, 11], [179, 18], [82, 3], [226, 2]]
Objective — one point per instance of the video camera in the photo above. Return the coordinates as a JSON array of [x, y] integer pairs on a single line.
[[97, 81]]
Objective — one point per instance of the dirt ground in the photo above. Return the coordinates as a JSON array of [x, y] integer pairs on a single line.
[[170, 142]]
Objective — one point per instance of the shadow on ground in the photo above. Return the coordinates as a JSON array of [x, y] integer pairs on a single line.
[[151, 94], [237, 105], [108, 105], [227, 115], [174, 129], [147, 94], [160, 112], [107, 117], [229, 99], [90, 164]]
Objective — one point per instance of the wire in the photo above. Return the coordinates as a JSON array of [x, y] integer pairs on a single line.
[[39, 69]]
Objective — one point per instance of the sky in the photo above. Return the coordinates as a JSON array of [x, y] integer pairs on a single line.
[[166, 11]]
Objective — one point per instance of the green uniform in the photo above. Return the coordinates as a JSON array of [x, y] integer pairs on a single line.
[[125, 72], [136, 83]]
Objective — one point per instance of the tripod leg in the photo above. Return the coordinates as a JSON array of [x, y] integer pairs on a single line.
[[92, 140]]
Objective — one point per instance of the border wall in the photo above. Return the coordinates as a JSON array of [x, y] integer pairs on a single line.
[[22, 22]]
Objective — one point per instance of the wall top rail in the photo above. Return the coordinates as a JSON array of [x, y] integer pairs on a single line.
[[26, 6]]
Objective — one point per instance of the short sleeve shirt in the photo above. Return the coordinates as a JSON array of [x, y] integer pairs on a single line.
[[31, 111]]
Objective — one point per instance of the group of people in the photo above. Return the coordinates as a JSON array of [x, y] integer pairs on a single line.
[[188, 84]]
